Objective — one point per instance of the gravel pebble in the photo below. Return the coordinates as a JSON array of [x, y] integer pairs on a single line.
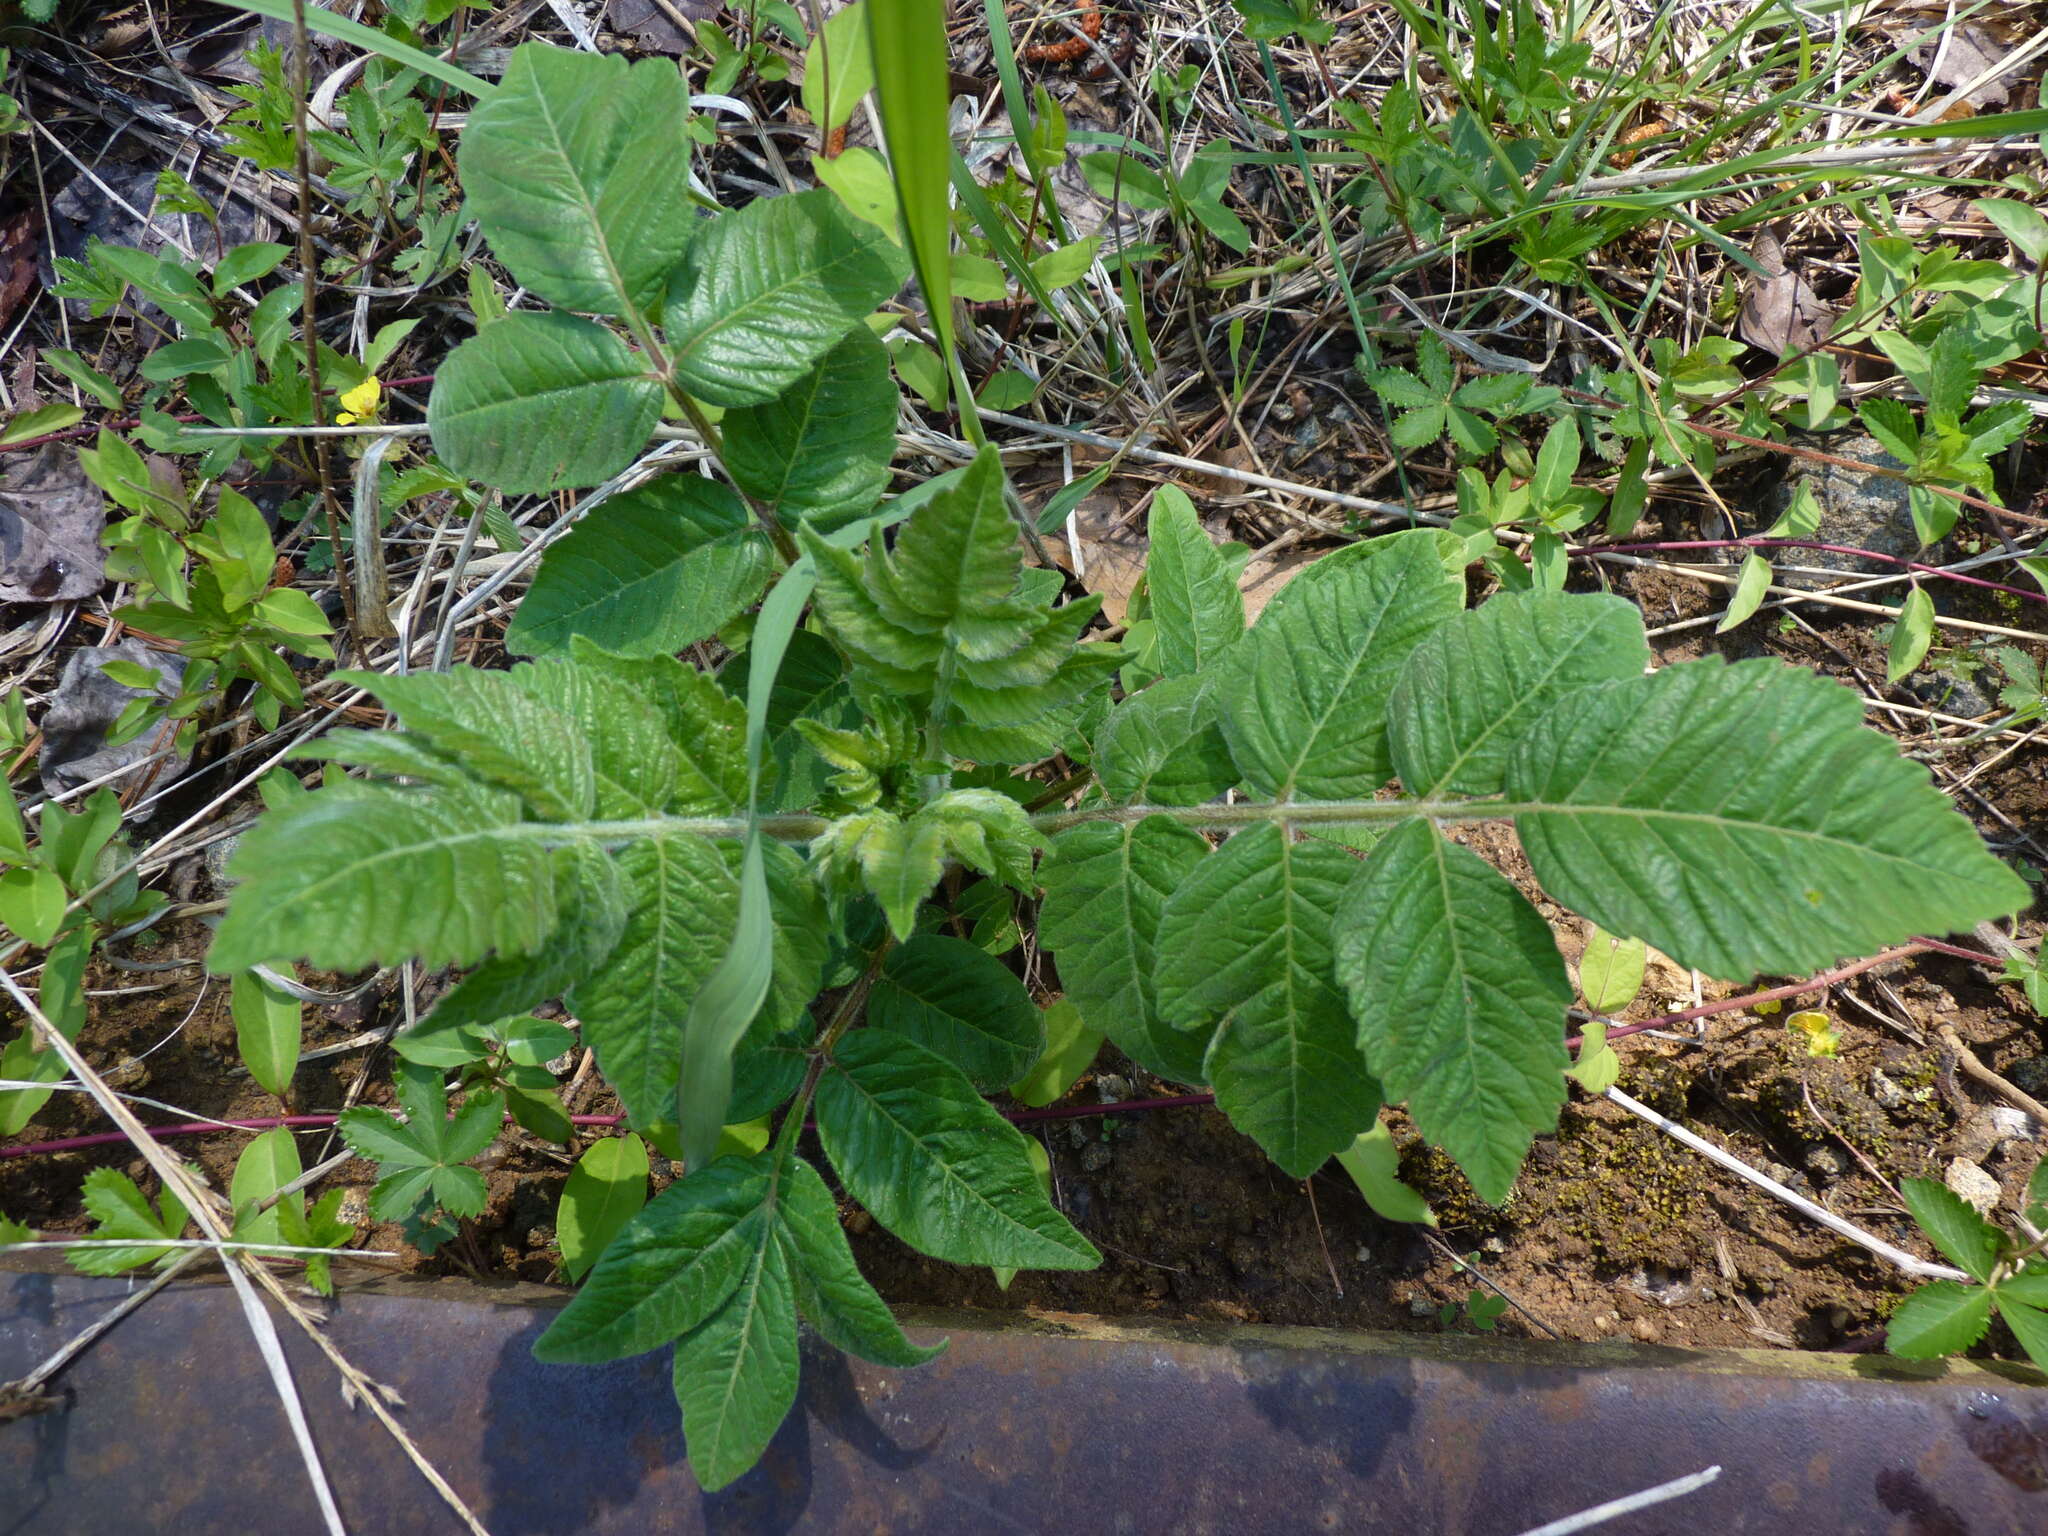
[[1973, 1185]]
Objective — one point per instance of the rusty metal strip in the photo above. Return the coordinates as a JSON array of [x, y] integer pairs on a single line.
[[1025, 1424]]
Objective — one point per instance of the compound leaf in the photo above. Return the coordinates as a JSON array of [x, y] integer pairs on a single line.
[[1460, 994], [830, 1289], [1244, 950], [671, 1266], [917, 1145], [1742, 819], [767, 290], [1195, 598], [1303, 698], [646, 573], [957, 1000], [541, 402], [1477, 682], [819, 452], [1106, 886], [736, 1372], [570, 168]]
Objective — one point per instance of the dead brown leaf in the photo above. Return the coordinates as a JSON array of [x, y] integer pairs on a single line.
[[1958, 55], [50, 520], [1780, 312]]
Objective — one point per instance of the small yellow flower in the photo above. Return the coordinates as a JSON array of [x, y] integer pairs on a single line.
[[1819, 1033], [360, 403]]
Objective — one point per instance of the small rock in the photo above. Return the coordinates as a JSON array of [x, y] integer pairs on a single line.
[[1990, 1128], [1783, 1173], [563, 1064], [1112, 1089], [355, 1204], [1645, 1330], [1824, 1163], [2030, 1075], [1364, 1254], [1095, 1157], [1950, 692], [1888, 1094], [129, 1074], [1973, 1185], [1859, 509], [1494, 1245], [1421, 1306]]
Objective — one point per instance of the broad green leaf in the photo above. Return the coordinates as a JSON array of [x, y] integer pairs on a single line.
[[671, 1266], [1912, 633], [1479, 680], [736, 1373], [542, 402], [372, 875], [1071, 1046], [839, 67], [1751, 587], [1965, 1238], [646, 573], [1244, 949], [766, 291], [830, 1290], [1596, 1068], [268, 1163], [1163, 746], [32, 903], [819, 452], [1742, 819], [961, 1003], [605, 1190], [571, 169], [2028, 1324], [1941, 1318], [267, 1030], [1106, 885], [1610, 971], [119, 1209], [1304, 696], [914, 1142], [1460, 994], [1374, 1164], [682, 903], [1193, 591]]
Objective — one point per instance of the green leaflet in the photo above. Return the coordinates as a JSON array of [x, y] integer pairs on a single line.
[[1743, 820], [1106, 885], [647, 572], [682, 902], [706, 726], [1163, 746], [372, 875], [499, 732], [119, 1209], [1965, 1238], [541, 402], [830, 1290], [1479, 680], [1191, 587], [943, 622], [1943, 1317], [570, 165], [591, 915], [1244, 951], [898, 860], [1460, 994], [765, 291], [635, 768], [267, 1030], [736, 1373], [1303, 698], [961, 1003], [671, 1266], [605, 1190], [914, 1142], [819, 452]]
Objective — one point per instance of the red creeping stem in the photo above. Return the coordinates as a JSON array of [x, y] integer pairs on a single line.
[[1068, 49]]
